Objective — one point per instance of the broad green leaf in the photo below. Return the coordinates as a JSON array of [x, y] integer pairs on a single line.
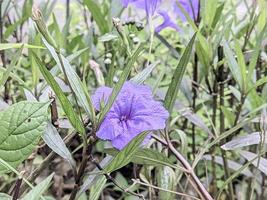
[[97, 188], [126, 155], [73, 79], [98, 16], [21, 126], [39, 189], [178, 75], [146, 157], [65, 103], [119, 84], [4, 46], [56, 143], [142, 76]]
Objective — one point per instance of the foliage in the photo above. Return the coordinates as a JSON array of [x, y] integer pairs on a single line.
[[208, 71]]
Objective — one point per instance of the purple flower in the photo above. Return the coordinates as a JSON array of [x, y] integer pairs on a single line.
[[156, 6], [190, 6], [133, 112]]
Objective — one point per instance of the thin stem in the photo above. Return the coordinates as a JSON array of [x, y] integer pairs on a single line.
[[194, 90], [110, 178], [81, 170], [201, 189], [17, 189], [221, 80], [6, 87]]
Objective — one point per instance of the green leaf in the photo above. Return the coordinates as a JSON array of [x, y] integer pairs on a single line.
[[119, 84], [65, 103], [232, 63], [96, 13], [241, 64], [256, 52], [166, 179], [142, 76], [210, 12], [4, 46], [108, 37], [146, 157], [39, 189], [56, 143], [178, 75], [126, 155], [10, 67], [97, 188], [21, 126], [5, 196], [73, 79]]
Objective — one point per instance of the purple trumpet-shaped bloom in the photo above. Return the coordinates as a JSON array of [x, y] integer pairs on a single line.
[[133, 112], [155, 6]]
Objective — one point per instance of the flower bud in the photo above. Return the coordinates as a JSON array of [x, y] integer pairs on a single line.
[[38, 19], [107, 61], [98, 73], [136, 40], [132, 35], [108, 55]]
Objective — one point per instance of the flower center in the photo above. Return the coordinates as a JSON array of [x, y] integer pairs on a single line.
[[123, 118]]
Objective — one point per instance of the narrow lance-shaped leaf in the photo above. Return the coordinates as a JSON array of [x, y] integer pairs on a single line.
[[243, 141], [119, 84], [55, 142], [97, 188], [143, 75], [39, 189], [88, 182], [65, 103], [73, 79], [4, 46], [232, 63], [126, 154], [256, 52], [21, 126], [11, 66], [97, 15], [178, 75], [260, 162], [146, 157]]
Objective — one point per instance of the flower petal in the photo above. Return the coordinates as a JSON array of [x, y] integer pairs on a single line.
[[167, 22], [101, 94], [109, 129]]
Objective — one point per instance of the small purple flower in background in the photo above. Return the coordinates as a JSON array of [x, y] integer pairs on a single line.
[[133, 112], [169, 15], [190, 6]]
